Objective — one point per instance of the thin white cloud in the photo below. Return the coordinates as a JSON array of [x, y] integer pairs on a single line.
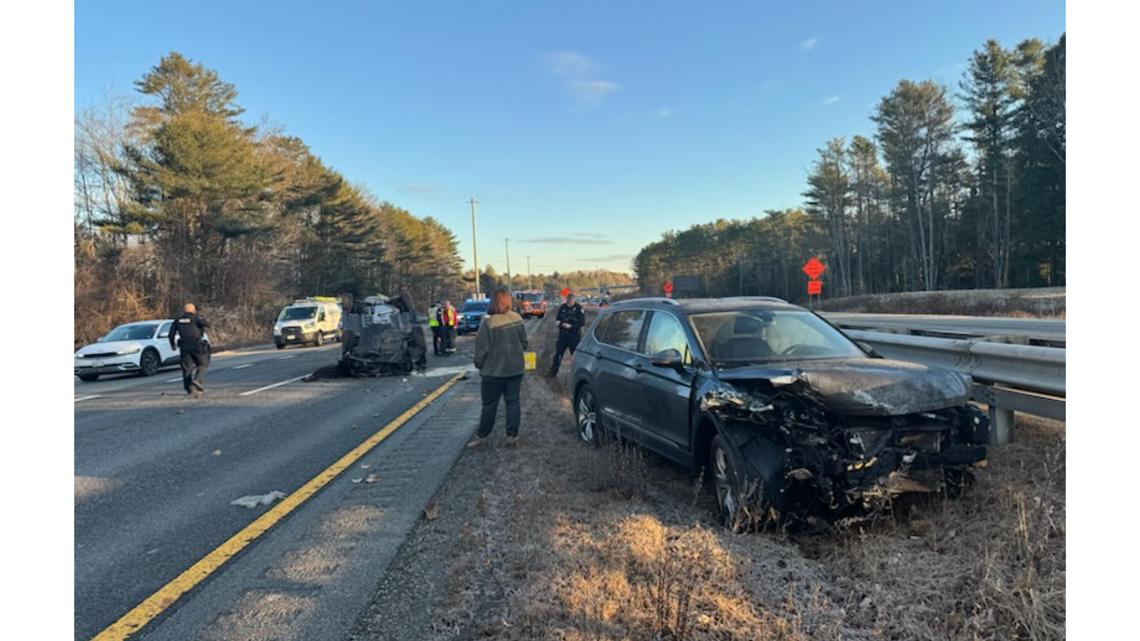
[[661, 113], [581, 76], [810, 43], [830, 100]]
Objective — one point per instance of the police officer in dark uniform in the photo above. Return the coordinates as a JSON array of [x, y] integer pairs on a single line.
[[570, 320], [189, 329]]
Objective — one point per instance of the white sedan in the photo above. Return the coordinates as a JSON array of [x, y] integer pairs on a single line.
[[142, 347]]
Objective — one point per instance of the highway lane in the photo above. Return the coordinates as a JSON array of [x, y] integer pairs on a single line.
[[156, 470]]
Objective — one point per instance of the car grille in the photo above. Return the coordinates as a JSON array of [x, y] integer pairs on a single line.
[[99, 354], [291, 332]]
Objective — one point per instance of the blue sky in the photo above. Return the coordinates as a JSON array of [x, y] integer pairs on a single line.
[[585, 129]]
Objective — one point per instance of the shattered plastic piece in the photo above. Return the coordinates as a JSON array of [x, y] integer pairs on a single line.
[[371, 478], [216, 453], [255, 500]]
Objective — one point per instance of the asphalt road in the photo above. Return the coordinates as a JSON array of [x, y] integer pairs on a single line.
[[156, 472]]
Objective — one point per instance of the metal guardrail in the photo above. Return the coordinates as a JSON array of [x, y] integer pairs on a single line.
[[1008, 378], [1024, 331]]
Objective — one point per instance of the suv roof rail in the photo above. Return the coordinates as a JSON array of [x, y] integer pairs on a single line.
[[773, 299], [646, 299]]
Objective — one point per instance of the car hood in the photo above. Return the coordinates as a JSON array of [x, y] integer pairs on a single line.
[[479, 314], [108, 346], [864, 386]]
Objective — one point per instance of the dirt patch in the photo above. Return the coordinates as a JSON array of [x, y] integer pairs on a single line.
[[1039, 302], [560, 540]]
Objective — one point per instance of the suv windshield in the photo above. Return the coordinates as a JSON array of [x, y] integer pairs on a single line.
[[297, 313], [763, 335], [531, 298], [131, 332], [476, 306]]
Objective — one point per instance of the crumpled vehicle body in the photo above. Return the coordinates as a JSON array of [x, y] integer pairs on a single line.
[[381, 337], [841, 436]]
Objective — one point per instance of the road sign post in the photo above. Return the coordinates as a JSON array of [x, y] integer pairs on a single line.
[[814, 269]]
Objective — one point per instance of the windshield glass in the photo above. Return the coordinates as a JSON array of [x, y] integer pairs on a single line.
[[131, 332], [297, 313], [531, 298], [764, 335], [476, 306]]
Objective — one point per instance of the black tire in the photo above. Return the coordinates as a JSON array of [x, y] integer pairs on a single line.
[[149, 363], [320, 339], [280, 345], [738, 507], [586, 416], [88, 378]]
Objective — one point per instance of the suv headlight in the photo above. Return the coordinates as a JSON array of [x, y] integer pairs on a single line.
[[276, 330], [129, 350], [310, 325]]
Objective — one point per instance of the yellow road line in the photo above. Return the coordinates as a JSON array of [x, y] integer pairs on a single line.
[[144, 612]]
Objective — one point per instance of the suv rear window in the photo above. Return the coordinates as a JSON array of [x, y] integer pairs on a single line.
[[625, 329]]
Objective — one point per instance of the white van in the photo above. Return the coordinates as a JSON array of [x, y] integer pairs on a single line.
[[308, 320]]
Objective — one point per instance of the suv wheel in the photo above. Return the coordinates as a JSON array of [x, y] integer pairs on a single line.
[[149, 363], [739, 507], [586, 414], [320, 339], [88, 378]]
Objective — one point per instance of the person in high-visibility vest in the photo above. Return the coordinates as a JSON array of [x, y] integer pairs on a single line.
[[436, 330], [448, 320]]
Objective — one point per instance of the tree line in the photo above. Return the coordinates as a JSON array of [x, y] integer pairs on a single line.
[[941, 197], [177, 199]]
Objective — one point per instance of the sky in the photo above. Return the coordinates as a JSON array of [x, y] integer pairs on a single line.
[[584, 129]]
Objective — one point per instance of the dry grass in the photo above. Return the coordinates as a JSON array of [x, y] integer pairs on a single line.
[[580, 543]]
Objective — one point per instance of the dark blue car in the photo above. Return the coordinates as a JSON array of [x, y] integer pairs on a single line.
[[471, 316], [787, 415]]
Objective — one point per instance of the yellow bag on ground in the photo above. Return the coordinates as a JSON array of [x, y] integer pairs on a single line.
[[530, 359]]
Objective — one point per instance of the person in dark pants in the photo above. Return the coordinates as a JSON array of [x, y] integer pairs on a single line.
[[570, 319], [186, 334], [436, 329], [499, 347]]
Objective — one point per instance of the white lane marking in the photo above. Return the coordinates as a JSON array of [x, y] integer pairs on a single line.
[[242, 366], [88, 397], [262, 389], [173, 380], [284, 358]]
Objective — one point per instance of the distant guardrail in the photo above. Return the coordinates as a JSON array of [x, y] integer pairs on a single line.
[[1025, 331], [1007, 377]]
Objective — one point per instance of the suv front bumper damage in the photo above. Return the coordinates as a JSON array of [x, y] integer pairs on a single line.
[[810, 460]]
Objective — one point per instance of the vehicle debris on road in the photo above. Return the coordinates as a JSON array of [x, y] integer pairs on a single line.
[[255, 500]]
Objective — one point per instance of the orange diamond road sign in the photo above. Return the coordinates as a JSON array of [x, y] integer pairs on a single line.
[[815, 287], [668, 287], [813, 268]]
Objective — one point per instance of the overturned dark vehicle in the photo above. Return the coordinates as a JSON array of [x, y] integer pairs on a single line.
[[381, 336], [789, 418]]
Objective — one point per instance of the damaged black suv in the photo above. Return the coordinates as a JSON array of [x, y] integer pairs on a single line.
[[793, 419]]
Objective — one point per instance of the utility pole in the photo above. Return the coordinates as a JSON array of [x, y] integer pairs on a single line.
[[529, 282], [475, 246], [507, 243]]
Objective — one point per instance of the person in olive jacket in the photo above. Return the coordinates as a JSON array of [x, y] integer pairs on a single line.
[[499, 347], [570, 320]]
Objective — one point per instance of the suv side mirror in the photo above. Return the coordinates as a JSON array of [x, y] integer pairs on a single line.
[[670, 358], [866, 347]]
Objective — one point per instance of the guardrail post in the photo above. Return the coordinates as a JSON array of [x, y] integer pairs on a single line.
[[1001, 425]]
